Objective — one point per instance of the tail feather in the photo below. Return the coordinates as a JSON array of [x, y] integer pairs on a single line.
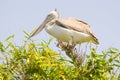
[[94, 39]]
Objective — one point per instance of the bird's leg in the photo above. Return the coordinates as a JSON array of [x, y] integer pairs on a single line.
[[61, 45], [58, 44], [71, 43]]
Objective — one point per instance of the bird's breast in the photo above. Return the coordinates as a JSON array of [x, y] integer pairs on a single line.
[[58, 32]]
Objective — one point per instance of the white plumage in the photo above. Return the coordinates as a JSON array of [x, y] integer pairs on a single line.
[[65, 35]]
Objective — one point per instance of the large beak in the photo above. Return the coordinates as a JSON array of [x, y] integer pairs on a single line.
[[40, 28]]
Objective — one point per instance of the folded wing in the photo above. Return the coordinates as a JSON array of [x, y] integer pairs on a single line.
[[78, 25]]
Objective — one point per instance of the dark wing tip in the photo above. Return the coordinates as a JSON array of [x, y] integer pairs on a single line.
[[82, 21], [95, 40]]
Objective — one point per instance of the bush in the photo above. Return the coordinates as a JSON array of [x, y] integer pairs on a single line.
[[39, 62]]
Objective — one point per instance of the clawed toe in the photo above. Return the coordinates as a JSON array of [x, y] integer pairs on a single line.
[[70, 46], [65, 46]]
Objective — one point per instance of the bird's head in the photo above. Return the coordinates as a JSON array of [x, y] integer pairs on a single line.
[[51, 16]]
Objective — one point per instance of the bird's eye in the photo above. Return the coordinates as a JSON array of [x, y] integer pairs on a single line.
[[48, 14]]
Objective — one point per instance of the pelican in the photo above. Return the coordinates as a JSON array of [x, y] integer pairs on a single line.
[[67, 29]]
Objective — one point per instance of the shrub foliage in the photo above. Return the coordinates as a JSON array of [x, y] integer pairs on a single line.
[[32, 61]]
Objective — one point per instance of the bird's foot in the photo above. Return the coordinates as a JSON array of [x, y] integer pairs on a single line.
[[61, 45], [67, 46], [70, 45]]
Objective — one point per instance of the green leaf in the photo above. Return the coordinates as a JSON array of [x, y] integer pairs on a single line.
[[2, 48], [50, 40], [8, 38], [9, 45], [26, 34], [43, 72], [118, 61]]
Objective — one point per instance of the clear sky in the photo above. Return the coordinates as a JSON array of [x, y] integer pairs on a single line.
[[103, 16]]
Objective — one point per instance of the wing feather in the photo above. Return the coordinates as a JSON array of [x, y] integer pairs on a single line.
[[78, 25], [72, 23]]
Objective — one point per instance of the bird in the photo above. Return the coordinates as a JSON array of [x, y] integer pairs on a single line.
[[69, 29]]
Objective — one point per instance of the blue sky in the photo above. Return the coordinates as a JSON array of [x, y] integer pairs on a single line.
[[103, 16]]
